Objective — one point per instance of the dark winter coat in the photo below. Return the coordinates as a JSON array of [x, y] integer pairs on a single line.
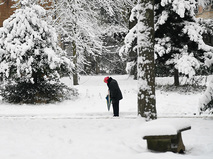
[[115, 92]]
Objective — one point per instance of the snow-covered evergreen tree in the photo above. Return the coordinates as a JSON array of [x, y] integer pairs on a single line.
[[179, 40], [176, 29], [29, 52], [175, 20], [177, 34], [29, 49], [206, 101], [144, 32]]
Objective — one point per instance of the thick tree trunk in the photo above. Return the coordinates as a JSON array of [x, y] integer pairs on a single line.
[[146, 66]]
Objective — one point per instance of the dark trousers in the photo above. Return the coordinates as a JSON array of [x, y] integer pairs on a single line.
[[115, 106]]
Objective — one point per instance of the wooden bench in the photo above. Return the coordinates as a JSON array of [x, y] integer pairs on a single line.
[[168, 142]]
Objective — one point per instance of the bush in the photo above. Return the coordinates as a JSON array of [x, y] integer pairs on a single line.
[[28, 93], [207, 108], [206, 101]]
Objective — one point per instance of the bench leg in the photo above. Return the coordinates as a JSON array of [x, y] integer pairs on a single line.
[[177, 144]]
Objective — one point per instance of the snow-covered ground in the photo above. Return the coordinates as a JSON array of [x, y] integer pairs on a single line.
[[83, 128]]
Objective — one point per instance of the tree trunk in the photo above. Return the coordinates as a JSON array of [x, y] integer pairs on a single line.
[[132, 52], [97, 66], [146, 66], [75, 74], [135, 72], [176, 77]]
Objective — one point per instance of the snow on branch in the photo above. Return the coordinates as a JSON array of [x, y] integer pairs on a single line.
[[180, 6]]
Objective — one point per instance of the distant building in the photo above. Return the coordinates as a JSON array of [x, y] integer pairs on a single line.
[[5, 10], [206, 13]]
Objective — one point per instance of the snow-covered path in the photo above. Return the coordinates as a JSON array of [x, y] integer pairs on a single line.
[[91, 101]]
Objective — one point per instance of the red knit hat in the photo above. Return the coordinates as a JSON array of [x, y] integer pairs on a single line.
[[106, 79]]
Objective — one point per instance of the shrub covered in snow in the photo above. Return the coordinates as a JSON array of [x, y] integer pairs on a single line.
[[37, 93], [206, 102], [29, 53]]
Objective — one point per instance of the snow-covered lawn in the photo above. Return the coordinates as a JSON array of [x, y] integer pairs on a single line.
[[84, 129], [23, 138]]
